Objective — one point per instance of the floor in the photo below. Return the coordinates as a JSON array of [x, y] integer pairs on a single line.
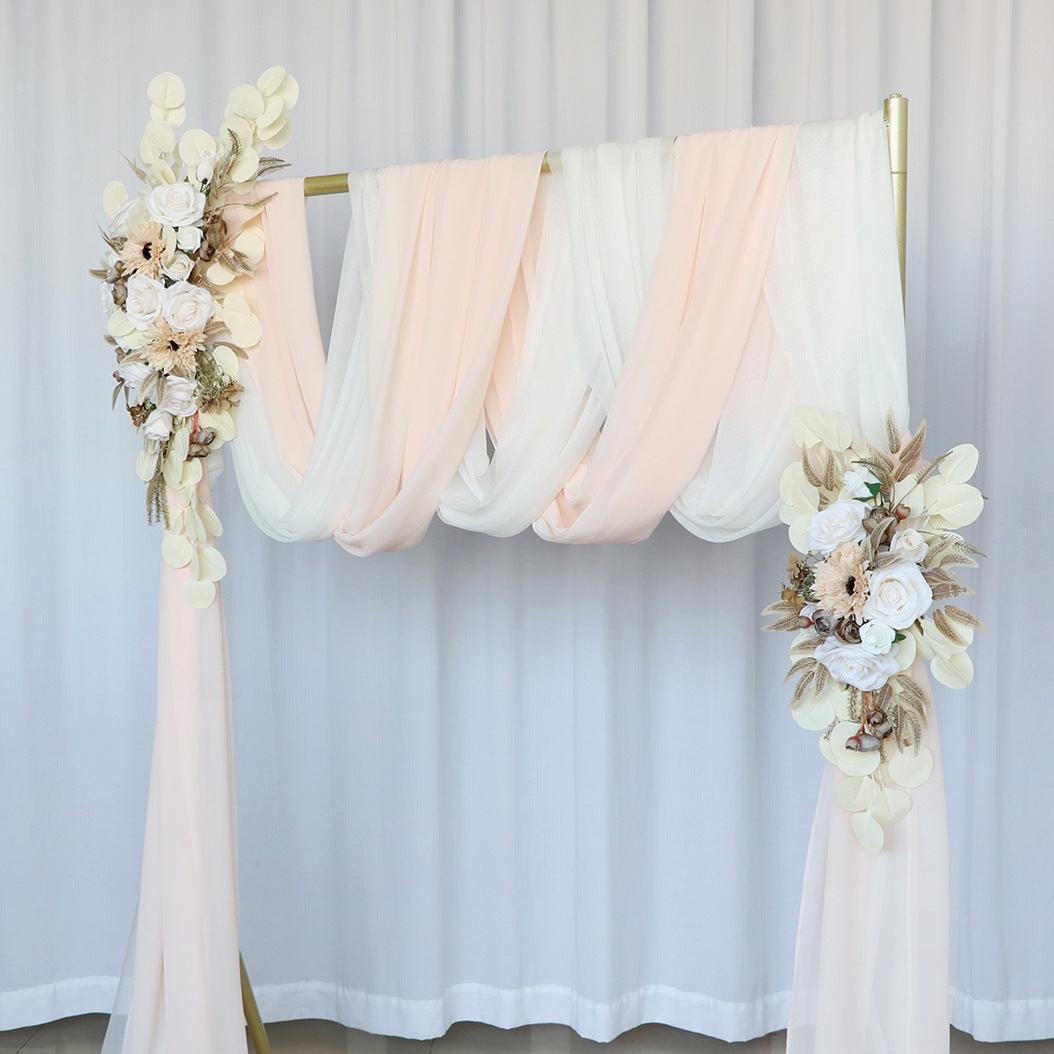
[[83, 1035]]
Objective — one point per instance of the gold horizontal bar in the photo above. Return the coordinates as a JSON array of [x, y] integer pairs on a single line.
[[335, 183]]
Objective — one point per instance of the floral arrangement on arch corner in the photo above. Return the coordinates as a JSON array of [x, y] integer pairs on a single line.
[[178, 254], [875, 533]]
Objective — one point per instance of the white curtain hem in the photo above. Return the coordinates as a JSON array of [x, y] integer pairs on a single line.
[[532, 1005], [27, 1007], [988, 1021]]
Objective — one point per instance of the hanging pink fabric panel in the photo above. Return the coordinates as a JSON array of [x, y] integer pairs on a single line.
[[187, 989], [450, 240], [703, 304]]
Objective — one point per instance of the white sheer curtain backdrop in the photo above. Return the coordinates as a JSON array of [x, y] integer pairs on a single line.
[[440, 795]]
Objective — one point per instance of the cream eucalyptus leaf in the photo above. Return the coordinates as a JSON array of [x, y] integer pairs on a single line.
[[176, 551], [856, 793], [218, 274], [167, 91], [173, 470], [146, 464], [852, 762], [246, 165], [114, 196], [868, 831], [910, 769], [246, 101], [274, 106], [227, 360], [200, 593], [213, 565], [191, 473], [960, 463], [957, 504], [194, 144], [891, 806], [270, 80], [211, 521], [953, 671], [279, 138]]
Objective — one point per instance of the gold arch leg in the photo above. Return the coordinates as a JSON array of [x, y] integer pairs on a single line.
[[257, 1032]]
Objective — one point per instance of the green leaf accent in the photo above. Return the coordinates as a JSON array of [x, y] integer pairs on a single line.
[[898, 637]]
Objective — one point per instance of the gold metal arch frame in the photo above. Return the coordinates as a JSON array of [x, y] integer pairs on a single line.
[[895, 111]]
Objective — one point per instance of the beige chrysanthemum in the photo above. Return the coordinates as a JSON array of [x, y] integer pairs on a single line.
[[174, 352], [840, 585], [142, 249]]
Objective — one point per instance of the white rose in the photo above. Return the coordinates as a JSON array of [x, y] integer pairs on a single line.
[[137, 377], [179, 266], [853, 664], [855, 481], [876, 637], [898, 595], [187, 307], [158, 425], [188, 238], [144, 301], [176, 204], [910, 544], [840, 522], [177, 397]]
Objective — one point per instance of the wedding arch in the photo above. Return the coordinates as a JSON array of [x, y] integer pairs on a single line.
[[577, 354]]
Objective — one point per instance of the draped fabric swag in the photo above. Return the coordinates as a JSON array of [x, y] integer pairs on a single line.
[[581, 353], [627, 339]]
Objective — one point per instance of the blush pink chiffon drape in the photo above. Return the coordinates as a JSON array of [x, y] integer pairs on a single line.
[[186, 986]]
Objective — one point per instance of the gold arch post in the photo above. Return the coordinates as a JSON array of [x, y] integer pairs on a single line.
[[253, 1021], [895, 111]]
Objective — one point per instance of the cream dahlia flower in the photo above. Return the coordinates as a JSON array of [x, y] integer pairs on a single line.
[[142, 249], [173, 352], [840, 585]]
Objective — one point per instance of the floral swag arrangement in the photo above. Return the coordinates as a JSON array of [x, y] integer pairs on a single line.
[[875, 538], [177, 256]]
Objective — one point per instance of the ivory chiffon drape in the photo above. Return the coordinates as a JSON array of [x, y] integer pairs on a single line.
[[871, 962]]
